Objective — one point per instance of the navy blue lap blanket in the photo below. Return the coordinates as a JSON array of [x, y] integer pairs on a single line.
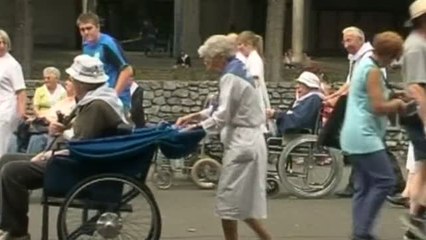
[[130, 155]]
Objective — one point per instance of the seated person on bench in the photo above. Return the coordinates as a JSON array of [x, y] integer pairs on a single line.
[[38, 141], [304, 112], [99, 113]]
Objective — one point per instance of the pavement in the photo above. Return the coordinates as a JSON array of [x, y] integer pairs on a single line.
[[187, 213]]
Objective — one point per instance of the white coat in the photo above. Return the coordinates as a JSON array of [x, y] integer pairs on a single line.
[[11, 80], [241, 192]]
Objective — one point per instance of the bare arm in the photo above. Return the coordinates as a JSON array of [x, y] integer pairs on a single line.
[[375, 93], [123, 79], [343, 90], [21, 97]]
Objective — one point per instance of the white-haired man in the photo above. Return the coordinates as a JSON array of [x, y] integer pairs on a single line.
[[358, 49]]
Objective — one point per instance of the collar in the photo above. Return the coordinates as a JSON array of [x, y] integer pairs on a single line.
[[366, 47]]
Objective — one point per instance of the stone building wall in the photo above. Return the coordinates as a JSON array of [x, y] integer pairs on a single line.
[[168, 100]]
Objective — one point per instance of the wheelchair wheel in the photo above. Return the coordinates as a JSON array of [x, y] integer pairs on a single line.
[[307, 170], [205, 173], [272, 186], [109, 206], [162, 178]]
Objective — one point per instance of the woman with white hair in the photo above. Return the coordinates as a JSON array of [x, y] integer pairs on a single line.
[[50, 93], [304, 112], [241, 193], [12, 92]]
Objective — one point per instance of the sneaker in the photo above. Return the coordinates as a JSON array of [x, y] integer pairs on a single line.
[[398, 200], [410, 236], [415, 225]]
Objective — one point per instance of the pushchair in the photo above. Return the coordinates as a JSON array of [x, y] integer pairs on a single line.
[[203, 166], [100, 186]]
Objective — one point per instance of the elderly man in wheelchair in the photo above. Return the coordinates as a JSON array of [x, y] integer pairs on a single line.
[[294, 149], [98, 114]]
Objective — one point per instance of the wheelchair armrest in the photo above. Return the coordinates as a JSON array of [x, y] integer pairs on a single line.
[[124, 129], [274, 141]]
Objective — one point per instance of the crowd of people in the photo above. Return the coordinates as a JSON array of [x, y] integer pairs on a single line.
[[100, 94]]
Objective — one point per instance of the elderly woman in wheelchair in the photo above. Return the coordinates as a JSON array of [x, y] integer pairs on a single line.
[[99, 113], [294, 149]]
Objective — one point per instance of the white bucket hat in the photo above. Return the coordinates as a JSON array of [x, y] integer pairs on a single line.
[[309, 79], [417, 8], [87, 69]]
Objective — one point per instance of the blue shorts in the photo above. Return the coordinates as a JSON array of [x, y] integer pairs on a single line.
[[417, 136]]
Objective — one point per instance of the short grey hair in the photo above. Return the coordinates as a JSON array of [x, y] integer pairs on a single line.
[[5, 37], [52, 70], [217, 45], [355, 31]]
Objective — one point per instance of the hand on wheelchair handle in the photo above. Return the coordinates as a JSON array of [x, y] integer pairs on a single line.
[[56, 128], [270, 113], [185, 120]]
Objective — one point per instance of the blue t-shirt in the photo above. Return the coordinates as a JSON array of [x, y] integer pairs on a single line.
[[109, 51], [363, 131]]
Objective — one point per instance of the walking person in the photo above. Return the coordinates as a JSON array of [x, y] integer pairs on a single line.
[[241, 193], [414, 74], [12, 93], [251, 46], [358, 49], [364, 129], [108, 50]]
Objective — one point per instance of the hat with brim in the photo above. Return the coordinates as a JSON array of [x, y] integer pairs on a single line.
[[309, 79], [87, 69], [417, 9]]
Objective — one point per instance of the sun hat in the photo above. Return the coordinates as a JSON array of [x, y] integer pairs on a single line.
[[87, 69], [309, 79], [417, 8]]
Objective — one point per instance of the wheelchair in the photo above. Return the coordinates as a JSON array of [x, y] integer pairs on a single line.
[[300, 164], [202, 166], [100, 186]]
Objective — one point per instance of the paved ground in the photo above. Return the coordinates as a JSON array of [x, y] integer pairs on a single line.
[[187, 214]]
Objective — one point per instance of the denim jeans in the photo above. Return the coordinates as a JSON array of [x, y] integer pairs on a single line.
[[373, 181]]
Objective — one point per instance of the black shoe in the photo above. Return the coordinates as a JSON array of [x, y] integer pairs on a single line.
[[346, 193], [410, 236], [415, 225], [399, 200]]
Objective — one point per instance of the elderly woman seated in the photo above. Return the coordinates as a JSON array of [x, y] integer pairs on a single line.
[[303, 114], [34, 140], [50, 93]]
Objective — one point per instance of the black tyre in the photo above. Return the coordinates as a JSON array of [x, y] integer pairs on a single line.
[[109, 206]]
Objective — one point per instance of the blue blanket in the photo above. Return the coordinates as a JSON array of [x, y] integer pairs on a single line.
[[172, 142], [129, 155]]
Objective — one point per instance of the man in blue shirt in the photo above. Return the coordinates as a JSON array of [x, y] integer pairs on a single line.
[[109, 51]]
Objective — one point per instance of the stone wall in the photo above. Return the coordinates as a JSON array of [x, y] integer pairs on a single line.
[[168, 100]]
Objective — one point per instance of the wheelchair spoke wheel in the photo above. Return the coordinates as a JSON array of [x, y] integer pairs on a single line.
[[308, 170], [109, 207], [205, 173]]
